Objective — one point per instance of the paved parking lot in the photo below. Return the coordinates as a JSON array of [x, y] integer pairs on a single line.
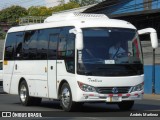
[[99, 111], [1, 89], [12, 103]]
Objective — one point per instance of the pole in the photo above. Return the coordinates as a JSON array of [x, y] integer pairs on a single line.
[[153, 73]]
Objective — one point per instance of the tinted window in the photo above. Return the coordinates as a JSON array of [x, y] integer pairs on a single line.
[[18, 47], [10, 46], [62, 44], [42, 46], [53, 42], [110, 52], [70, 49], [1, 65], [66, 48], [70, 53], [30, 45]]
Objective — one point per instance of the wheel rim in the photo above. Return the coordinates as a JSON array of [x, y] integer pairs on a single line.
[[65, 97], [23, 93]]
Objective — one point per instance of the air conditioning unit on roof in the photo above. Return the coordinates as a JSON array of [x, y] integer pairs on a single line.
[[72, 16]]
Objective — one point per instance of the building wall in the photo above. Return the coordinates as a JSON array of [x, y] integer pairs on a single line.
[[148, 53], [130, 6]]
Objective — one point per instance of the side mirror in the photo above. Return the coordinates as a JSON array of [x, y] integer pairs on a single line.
[[153, 36], [79, 38], [79, 41]]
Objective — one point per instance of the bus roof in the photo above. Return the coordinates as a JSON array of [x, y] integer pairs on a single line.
[[78, 20]]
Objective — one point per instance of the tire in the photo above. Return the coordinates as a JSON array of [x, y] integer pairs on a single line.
[[126, 105], [25, 99], [66, 99]]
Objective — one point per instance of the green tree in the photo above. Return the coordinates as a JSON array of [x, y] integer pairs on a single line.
[[39, 11], [33, 11], [44, 11], [76, 1], [62, 2], [2, 34], [67, 6], [12, 14], [88, 2], [85, 2]]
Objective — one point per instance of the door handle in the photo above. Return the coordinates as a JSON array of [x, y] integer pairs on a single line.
[[16, 67], [51, 67], [45, 69]]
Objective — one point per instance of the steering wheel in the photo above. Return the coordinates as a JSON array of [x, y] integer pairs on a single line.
[[119, 55]]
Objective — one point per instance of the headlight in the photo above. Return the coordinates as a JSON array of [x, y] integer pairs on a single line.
[[86, 88], [138, 87]]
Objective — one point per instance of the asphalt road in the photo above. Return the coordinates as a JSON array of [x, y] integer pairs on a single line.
[[91, 111], [12, 103]]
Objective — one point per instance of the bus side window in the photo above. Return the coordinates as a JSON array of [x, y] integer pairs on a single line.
[[62, 44], [42, 46], [53, 43], [30, 45], [70, 51], [1, 65], [70, 45], [10, 46], [19, 41]]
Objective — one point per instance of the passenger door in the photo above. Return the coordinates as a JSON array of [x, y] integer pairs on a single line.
[[52, 65], [17, 67], [17, 38]]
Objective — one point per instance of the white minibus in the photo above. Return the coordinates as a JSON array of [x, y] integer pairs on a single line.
[[76, 58]]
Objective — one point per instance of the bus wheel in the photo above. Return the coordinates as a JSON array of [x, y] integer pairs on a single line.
[[66, 98], [24, 94], [126, 105]]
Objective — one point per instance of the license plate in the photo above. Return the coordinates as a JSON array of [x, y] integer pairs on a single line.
[[114, 99]]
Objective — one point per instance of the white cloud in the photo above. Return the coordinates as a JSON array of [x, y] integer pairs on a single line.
[[51, 3]]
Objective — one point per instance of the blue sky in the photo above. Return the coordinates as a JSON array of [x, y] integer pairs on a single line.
[[28, 3]]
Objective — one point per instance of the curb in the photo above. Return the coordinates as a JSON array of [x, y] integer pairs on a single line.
[[152, 96]]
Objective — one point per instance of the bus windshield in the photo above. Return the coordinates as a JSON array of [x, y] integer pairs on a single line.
[[110, 52]]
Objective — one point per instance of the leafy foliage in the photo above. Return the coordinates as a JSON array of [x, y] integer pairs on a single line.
[[2, 34], [67, 6], [44, 11], [85, 2], [38, 11], [88, 2], [11, 15], [76, 1]]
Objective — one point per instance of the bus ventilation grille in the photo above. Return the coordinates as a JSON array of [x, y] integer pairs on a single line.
[[109, 90], [90, 15]]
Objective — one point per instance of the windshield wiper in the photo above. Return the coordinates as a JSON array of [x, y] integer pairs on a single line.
[[88, 73], [94, 60], [85, 73]]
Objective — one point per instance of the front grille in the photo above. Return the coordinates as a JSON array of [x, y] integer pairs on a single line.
[[109, 90]]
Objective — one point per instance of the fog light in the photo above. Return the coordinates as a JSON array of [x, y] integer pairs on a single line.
[[86, 97]]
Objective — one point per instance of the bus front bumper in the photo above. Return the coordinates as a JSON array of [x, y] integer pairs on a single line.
[[96, 97]]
